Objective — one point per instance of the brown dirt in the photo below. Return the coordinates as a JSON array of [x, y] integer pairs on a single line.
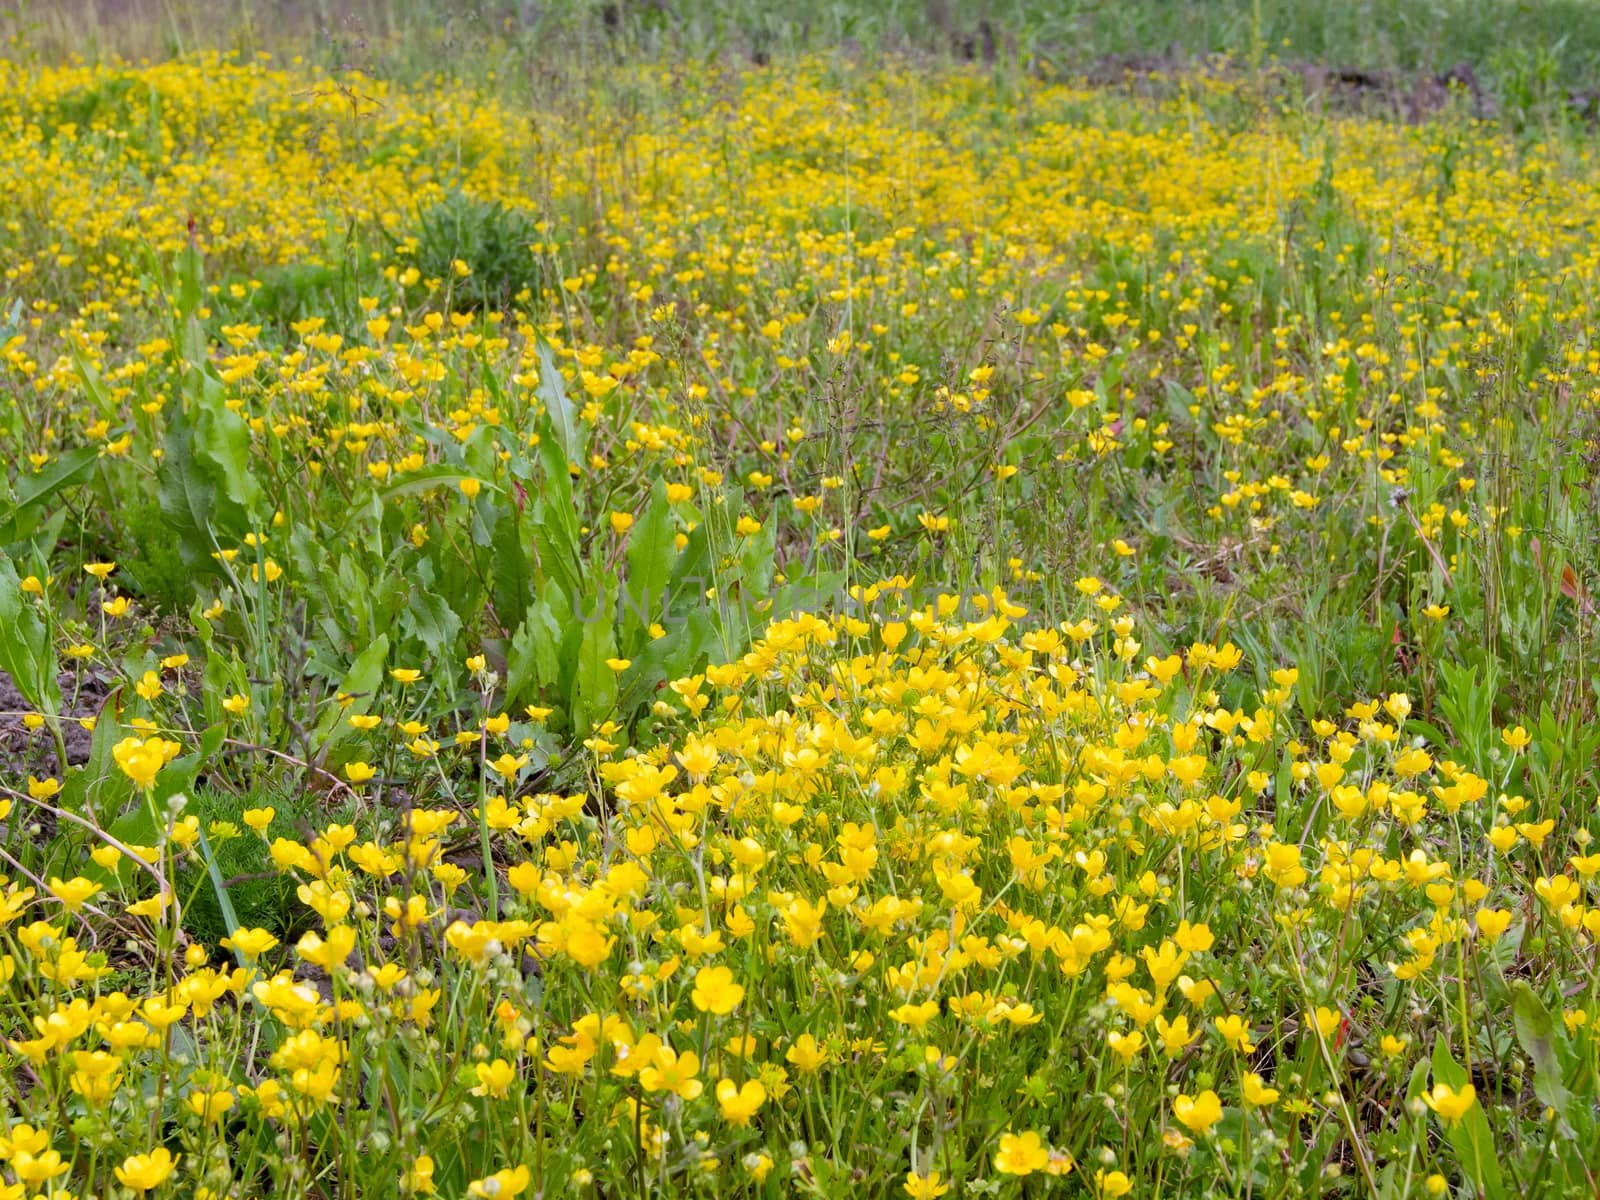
[[1412, 97], [23, 751]]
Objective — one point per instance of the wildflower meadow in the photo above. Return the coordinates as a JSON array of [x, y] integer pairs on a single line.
[[710, 600]]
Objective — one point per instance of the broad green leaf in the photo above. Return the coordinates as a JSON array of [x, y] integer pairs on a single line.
[[207, 483], [1470, 1137], [1536, 1033], [666, 658], [510, 573], [555, 517], [534, 659], [223, 675], [558, 406], [178, 776], [1418, 1082], [40, 486], [1432, 732], [360, 683], [1445, 1068], [93, 385], [30, 530], [98, 787], [650, 555], [135, 827], [222, 443], [690, 571], [570, 620], [433, 623], [1283, 783], [186, 496], [429, 478], [211, 741], [594, 687], [27, 653], [366, 674]]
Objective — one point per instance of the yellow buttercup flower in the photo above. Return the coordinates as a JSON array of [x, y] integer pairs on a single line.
[[1450, 1103], [250, 943], [924, 1186], [739, 1102], [715, 991], [73, 893], [141, 759], [494, 1078], [502, 1185], [418, 1179], [1021, 1154], [145, 1172], [1255, 1091], [1198, 1113]]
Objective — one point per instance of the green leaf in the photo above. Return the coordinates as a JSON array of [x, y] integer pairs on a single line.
[[365, 675], [178, 776], [136, 827], [1536, 1033], [34, 489], [509, 570], [555, 518], [93, 385], [1418, 1082], [220, 887], [97, 787], [222, 443], [191, 293], [27, 653], [670, 657], [1433, 733], [650, 555], [361, 683], [594, 686], [534, 659], [757, 562], [1445, 1068], [690, 568], [223, 674], [429, 478], [206, 480], [186, 497], [211, 741], [433, 623], [558, 406], [571, 624], [1470, 1137]]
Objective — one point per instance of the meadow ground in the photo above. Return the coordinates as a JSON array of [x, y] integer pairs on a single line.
[[615, 600]]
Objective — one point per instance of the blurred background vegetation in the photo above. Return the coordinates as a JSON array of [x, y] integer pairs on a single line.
[[1520, 53]]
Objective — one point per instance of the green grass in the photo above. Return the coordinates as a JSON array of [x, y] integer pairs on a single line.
[[774, 522], [1528, 53]]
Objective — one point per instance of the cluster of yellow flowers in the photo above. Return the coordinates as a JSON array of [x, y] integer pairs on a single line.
[[946, 227], [893, 845], [911, 886]]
